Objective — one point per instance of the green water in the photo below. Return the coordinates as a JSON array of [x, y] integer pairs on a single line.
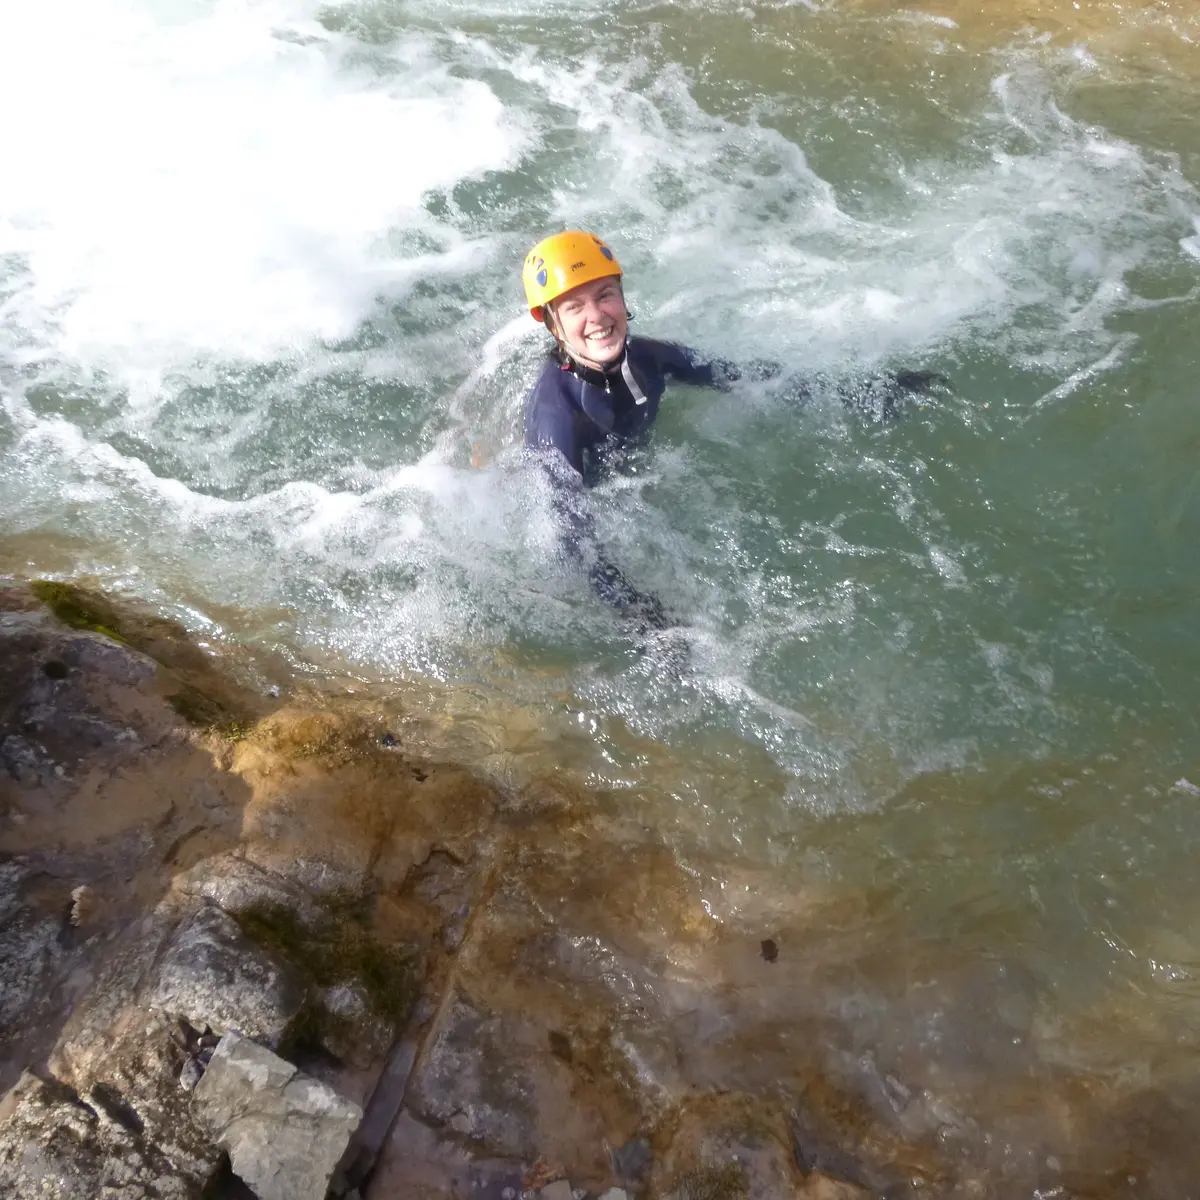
[[259, 303]]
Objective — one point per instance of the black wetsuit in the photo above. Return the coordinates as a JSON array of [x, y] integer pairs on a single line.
[[588, 415]]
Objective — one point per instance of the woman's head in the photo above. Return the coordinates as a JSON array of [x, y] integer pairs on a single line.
[[573, 285], [590, 322]]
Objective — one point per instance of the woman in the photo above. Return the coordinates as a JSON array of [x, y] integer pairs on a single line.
[[599, 391]]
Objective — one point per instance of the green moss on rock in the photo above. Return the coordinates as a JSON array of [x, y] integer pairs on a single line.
[[203, 696], [341, 951], [77, 608], [206, 713]]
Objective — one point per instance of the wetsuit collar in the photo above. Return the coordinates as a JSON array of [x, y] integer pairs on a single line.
[[598, 377]]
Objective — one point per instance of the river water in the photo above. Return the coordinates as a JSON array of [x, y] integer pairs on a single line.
[[263, 359]]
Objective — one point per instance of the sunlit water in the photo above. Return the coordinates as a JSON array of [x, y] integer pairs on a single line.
[[260, 315]]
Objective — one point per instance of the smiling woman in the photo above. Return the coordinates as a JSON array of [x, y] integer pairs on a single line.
[[590, 323]]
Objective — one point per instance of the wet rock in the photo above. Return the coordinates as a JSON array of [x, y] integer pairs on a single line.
[[65, 695], [25, 762], [631, 1161], [729, 1146], [351, 1030], [212, 974], [560, 1189], [424, 1164], [489, 1076], [238, 886], [284, 1131], [472, 1083], [615, 1194], [32, 958], [98, 655]]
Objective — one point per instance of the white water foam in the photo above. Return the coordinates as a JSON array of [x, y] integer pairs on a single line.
[[731, 212], [222, 180]]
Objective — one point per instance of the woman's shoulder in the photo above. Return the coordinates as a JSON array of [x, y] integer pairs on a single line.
[[665, 355]]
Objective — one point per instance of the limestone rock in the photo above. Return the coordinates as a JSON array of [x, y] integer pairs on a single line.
[[30, 956], [58, 1145], [84, 1050], [212, 974], [350, 1030], [238, 886], [471, 1082], [284, 1131], [129, 1074]]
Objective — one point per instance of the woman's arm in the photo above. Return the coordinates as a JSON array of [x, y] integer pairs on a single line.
[[883, 397], [553, 432]]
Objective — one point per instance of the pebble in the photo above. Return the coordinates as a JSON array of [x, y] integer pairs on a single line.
[[560, 1189], [630, 1162], [615, 1194], [191, 1074], [83, 904]]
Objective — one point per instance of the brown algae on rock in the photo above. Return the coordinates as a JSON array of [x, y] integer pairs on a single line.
[[727, 1182]]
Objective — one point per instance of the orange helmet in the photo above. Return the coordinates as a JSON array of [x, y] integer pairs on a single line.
[[561, 262]]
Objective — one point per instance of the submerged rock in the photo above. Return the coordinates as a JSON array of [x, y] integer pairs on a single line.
[[285, 1132], [824, 1187], [166, 871], [729, 1147]]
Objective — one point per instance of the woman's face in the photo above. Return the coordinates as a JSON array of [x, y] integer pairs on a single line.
[[591, 320]]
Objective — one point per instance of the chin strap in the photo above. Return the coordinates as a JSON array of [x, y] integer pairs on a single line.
[[635, 390]]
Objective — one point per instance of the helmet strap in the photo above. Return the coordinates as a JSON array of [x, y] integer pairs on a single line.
[[635, 390]]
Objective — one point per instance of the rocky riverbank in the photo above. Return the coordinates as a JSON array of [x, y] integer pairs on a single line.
[[253, 941], [256, 936]]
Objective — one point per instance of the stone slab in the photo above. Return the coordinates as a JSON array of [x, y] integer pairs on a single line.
[[285, 1132]]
